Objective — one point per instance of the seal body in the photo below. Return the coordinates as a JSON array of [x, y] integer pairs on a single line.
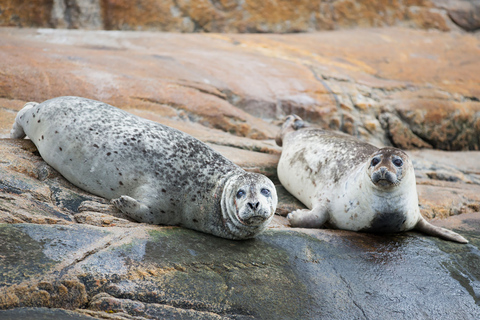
[[152, 173], [350, 184]]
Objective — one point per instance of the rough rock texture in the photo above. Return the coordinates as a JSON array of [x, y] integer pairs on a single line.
[[240, 16], [66, 254], [75, 254], [151, 272], [389, 86], [64, 249]]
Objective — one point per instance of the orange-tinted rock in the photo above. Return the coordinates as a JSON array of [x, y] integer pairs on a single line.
[[446, 125], [387, 86], [280, 16], [25, 13], [428, 18], [147, 15]]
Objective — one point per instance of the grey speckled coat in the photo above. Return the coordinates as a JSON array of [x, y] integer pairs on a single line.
[[159, 174]]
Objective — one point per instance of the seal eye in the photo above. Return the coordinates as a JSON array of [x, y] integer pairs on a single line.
[[398, 162], [265, 192], [240, 193], [375, 161]]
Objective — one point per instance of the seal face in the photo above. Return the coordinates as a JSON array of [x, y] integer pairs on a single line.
[[248, 201], [348, 183], [151, 172], [386, 167]]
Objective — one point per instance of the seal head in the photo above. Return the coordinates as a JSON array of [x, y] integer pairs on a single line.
[[248, 203], [387, 167]]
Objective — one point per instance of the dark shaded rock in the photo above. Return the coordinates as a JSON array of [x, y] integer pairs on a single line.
[[125, 269], [158, 271], [465, 14]]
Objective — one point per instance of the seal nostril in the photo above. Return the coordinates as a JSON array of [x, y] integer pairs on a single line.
[[253, 206]]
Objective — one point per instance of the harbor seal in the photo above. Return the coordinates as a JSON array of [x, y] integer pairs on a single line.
[[153, 173], [350, 184]]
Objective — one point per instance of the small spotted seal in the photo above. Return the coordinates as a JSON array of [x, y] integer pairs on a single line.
[[154, 173], [350, 184]]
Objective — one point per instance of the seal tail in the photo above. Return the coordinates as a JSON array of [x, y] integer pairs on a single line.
[[17, 131], [443, 233], [292, 123]]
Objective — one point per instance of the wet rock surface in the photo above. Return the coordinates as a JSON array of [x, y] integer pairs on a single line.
[[65, 253], [155, 272]]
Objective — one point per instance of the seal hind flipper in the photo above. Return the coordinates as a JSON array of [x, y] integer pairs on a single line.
[[17, 129], [427, 228], [364, 185], [155, 173], [304, 218], [291, 123]]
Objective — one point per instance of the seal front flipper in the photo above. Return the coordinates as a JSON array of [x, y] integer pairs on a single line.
[[443, 233], [304, 218], [134, 209]]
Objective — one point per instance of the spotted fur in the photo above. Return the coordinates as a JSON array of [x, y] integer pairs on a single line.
[[153, 173], [350, 184]]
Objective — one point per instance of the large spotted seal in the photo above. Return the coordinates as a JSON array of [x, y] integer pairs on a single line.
[[350, 184], [153, 173]]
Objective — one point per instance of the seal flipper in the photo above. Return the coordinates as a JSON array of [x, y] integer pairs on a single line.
[[425, 227], [134, 209], [292, 123], [17, 131], [304, 218]]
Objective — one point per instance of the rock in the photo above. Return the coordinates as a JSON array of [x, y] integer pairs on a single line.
[[24, 13], [400, 134], [77, 14], [73, 253], [101, 266], [278, 16], [465, 13], [158, 272], [387, 86], [46, 313], [448, 183]]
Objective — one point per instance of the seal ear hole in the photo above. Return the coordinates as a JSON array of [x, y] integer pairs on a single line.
[[240, 193], [375, 161], [398, 162], [265, 192]]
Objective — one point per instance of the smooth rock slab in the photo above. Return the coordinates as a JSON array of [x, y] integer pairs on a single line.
[[394, 86], [283, 274]]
